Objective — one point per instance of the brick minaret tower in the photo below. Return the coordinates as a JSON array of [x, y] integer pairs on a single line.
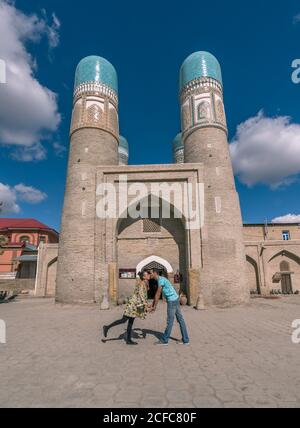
[[204, 131], [94, 142]]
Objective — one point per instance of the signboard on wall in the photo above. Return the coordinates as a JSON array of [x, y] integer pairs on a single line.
[[127, 273]]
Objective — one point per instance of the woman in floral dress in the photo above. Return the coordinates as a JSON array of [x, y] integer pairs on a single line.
[[137, 307]]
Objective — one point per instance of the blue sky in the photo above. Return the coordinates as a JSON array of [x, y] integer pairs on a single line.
[[147, 42]]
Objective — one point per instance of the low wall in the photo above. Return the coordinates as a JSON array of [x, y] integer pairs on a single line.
[[17, 285]]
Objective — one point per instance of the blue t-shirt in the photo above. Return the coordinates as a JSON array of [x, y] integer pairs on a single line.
[[168, 290]]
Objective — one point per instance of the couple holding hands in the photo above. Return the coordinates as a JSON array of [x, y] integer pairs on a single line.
[[138, 307]]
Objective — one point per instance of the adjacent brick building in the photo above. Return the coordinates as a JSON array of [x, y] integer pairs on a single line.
[[19, 240]]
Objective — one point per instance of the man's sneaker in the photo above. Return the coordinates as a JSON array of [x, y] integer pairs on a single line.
[[180, 342], [161, 343], [131, 342]]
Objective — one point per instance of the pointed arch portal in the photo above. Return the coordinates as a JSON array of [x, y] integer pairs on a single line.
[[156, 259]]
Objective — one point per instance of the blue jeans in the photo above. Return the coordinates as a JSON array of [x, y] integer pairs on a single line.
[[172, 312]]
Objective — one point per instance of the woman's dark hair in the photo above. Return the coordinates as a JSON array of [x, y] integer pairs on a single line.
[[141, 274]]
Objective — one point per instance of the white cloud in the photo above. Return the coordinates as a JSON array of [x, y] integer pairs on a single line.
[[288, 218], [8, 200], [10, 197], [28, 110], [296, 18], [35, 152], [266, 150], [53, 34], [59, 149], [29, 194]]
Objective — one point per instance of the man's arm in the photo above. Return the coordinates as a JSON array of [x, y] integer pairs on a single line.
[[156, 298]]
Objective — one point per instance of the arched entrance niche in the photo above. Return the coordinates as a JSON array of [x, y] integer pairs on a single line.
[[152, 262], [286, 278], [284, 272], [253, 275], [155, 262], [146, 239], [51, 278]]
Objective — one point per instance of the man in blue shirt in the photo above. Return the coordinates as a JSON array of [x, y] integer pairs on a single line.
[[172, 298]]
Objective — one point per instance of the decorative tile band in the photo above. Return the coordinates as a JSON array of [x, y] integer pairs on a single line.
[[123, 157], [95, 111], [179, 155], [123, 151], [202, 106], [201, 84], [96, 89]]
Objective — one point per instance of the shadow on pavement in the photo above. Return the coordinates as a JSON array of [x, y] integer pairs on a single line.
[[138, 333]]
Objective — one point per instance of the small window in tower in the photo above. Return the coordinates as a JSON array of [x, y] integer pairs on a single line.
[[204, 110], [43, 239], [94, 114], [286, 235], [151, 225]]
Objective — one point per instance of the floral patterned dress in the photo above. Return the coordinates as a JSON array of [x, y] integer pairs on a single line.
[[137, 305]]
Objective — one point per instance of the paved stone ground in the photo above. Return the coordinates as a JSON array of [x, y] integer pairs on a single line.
[[240, 357]]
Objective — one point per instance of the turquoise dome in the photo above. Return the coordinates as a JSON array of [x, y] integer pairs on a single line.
[[96, 69], [124, 143], [200, 64], [178, 143]]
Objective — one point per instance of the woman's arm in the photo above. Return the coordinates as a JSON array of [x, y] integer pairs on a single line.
[[156, 298]]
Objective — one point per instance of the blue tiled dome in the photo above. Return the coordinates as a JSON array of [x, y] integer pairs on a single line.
[[200, 64], [124, 143], [96, 69], [178, 143]]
